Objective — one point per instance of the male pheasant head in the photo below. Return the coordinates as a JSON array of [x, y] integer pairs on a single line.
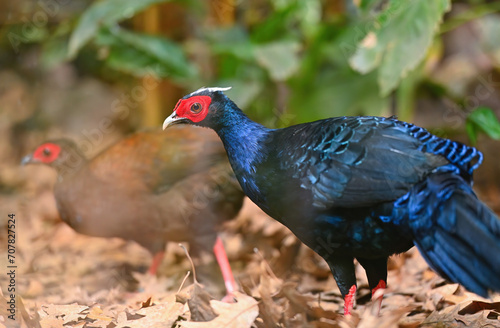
[[202, 107]]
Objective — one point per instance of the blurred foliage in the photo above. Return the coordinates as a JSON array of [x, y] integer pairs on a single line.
[[103, 15], [482, 120], [288, 61]]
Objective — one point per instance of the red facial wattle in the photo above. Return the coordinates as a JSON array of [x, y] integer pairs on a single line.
[[184, 108], [47, 153]]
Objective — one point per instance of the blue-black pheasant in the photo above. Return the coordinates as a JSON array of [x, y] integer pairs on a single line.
[[361, 188]]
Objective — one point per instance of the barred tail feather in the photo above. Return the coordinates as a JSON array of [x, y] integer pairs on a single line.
[[456, 233]]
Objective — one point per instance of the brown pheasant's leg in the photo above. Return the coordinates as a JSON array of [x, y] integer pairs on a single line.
[[158, 257], [225, 268]]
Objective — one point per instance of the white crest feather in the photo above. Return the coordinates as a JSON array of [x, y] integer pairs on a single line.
[[213, 89]]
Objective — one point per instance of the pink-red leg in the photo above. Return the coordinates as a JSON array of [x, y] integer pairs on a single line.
[[349, 300], [158, 257], [381, 285], [225, 268], [377, 296]]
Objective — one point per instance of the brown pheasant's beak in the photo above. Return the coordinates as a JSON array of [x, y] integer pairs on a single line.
[[26, 160], [173, 119]]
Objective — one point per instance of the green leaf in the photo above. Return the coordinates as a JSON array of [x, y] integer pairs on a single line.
[[309, 16], [406, 94], [339, 93], [471, 13], [54, 52], [243, 92], [234, 41], [55, 49], [280, 58], [25, 33], [483, 119], [398, 40], [368, 4], [142, 54], [277, 25], [103, 13]]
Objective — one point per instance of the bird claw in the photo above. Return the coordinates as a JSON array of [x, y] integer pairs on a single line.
[[229, 298]]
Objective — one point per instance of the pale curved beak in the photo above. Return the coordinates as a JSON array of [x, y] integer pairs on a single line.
[[173, 119], [26, 160]]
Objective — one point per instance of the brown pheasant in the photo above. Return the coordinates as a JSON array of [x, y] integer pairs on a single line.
[[151, 187]]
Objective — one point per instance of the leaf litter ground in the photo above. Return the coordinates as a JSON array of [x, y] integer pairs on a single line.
[[66, 279]]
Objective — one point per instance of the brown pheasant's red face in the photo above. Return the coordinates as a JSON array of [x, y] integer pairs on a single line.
[[194, 108], [46, 153]]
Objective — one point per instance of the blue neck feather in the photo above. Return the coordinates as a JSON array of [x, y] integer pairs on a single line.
[[242, 138]]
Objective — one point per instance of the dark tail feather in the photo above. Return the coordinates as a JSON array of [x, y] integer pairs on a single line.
[[456, 233]]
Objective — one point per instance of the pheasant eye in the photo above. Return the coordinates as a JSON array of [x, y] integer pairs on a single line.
[[196, 108], [46, 151]]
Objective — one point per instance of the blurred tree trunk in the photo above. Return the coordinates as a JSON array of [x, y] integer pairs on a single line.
[[151, 106], [222, 12], [168, 20]]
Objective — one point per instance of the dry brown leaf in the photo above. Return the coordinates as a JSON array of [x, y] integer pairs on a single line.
[[310, 262], [297, 300], [479, 319], [62, 267], [289, 250], [99, 324], [350, 321], [297, 321], [438, 296], [466, 314], [297, 303], [31, 322], [96, 314], [477, 306], [386, 320], [122, 317], [150, 285], [68, 313], [325, 317], [235, 315], [147, 303], [310, 284], [272, 283], [324, 324], [199, 304], [413, 321], [158, 315], [51, 322], [270, 311], [35, 288], [198, 298]]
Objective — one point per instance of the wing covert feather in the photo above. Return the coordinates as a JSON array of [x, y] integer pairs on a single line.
[[356, 161]]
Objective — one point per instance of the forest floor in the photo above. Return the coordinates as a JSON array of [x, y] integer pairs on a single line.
[[65, 279]]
